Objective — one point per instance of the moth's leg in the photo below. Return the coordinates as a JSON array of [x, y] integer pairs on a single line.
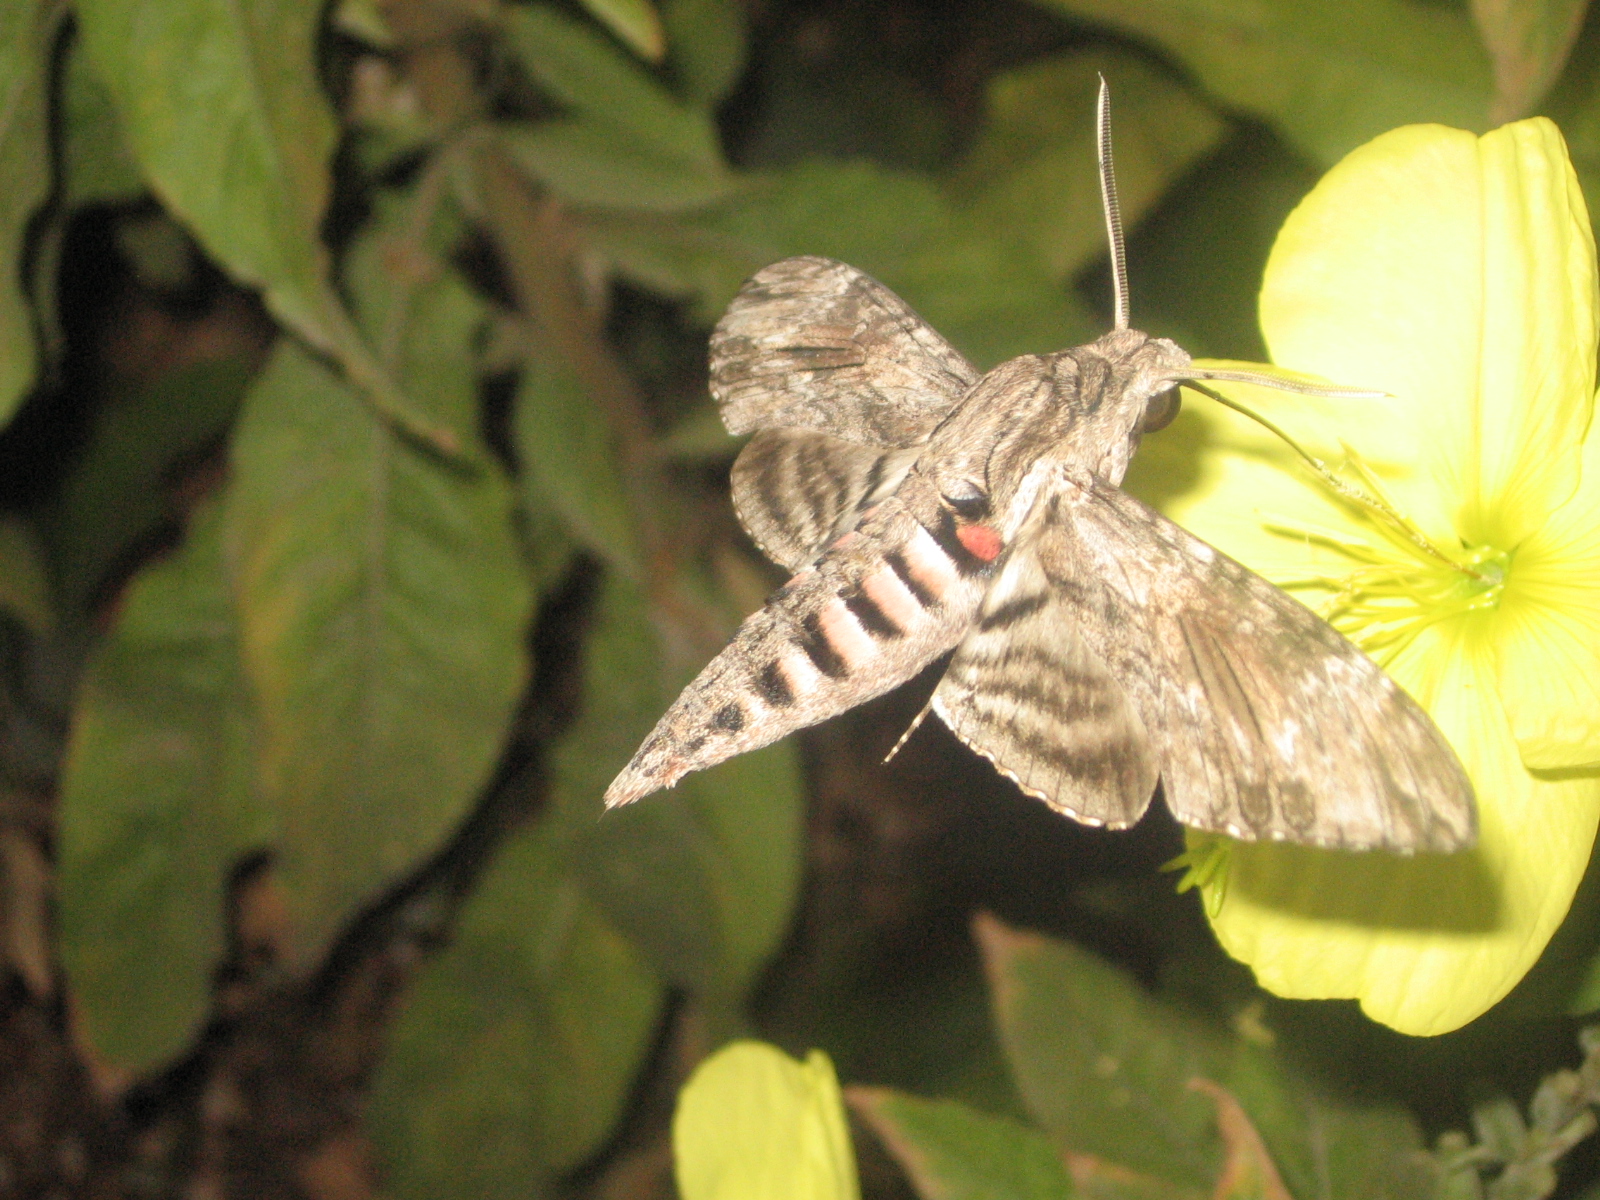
[[877, 608]]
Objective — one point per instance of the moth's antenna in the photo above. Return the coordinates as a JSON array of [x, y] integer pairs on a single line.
[[1113, 210]]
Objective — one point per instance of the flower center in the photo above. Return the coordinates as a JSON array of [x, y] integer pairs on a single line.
[[1381, 606]]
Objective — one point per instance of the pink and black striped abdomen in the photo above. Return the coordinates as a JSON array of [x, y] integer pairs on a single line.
[[879, 606]]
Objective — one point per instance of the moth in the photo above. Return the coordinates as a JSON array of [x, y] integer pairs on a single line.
[[1098, 648]]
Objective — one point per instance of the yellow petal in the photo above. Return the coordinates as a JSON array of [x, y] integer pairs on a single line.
[[754, 1124], [1458, 274], [1548, 632], [1427, 943], [1229, 481]]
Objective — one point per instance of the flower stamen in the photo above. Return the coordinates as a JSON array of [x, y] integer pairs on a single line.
[[1203, 863]]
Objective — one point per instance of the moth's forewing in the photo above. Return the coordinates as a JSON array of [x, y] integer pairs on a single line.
[[1268, 723], [809, 343]]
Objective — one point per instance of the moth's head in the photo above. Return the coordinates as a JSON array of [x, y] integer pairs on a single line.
[[1137, 392]]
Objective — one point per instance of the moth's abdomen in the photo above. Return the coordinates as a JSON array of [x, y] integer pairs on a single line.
[[887, 600]]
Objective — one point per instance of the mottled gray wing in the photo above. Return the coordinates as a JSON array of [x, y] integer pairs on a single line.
[[809, 343], [795, 490], [1025, 691], [1268, 724]]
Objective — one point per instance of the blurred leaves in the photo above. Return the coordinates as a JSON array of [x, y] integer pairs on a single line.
[[705, 47], [27, 31], [592, 165], [1329, 74], [952, 1152], [704, 878], [158, 800], [991, 298], [1528, 43], [117, 491], [382, 599], [96, 162], [1126, 1078], [609, 93], [25, 590], [1027, 173], [223, 110], [521, 1041], [1513, 1158], [1101, 1065], [570, 464], [635, 22]]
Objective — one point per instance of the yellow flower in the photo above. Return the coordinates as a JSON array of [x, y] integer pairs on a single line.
[[754, 1124], [1457, 274]]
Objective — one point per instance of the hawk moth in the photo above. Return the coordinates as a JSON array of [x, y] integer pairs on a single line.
[[1098, 648]]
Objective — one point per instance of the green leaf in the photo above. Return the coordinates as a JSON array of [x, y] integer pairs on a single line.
[[570, 465], [990, 297], [580, 69], [118, 492], [589, 163], [1032, 170], [363, 20], [1102, 1065], [704, 877], [221, 105], [753, 1122], [1326, 1145], [27, 32], [96, 164], [382, 596], [157, 805], [952, 1152], [1329, 74], [24, 581], [1106, 1068], [705, 47], [635, 22], [516, 1050], [1528, 43]]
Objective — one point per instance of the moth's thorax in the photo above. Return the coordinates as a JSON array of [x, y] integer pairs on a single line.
[[1082, 407]]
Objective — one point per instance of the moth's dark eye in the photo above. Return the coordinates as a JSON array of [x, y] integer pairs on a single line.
[[967, 499], [1158, 414]]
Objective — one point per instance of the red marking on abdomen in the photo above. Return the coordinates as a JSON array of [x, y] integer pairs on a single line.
[[981, 541]]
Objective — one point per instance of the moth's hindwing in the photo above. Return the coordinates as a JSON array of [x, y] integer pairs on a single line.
[[796, 490], [1025, 691], [809, 343], [1267, 723]]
